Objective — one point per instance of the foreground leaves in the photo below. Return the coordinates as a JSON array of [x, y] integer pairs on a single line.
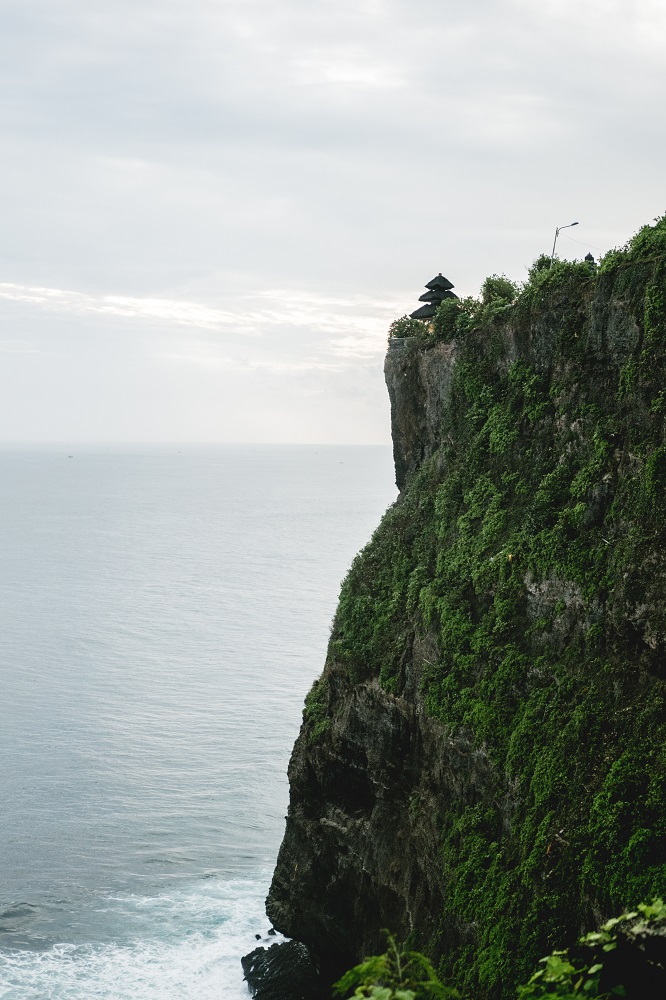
[[398, 974]]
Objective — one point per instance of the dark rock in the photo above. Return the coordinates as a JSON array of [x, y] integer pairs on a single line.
[[272, 932], [367, 801], [285, 971], [258, 937], [419, 388]]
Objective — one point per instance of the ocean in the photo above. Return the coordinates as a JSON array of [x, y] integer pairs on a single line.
[[163, 612]]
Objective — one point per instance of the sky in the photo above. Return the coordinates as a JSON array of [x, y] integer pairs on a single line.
[[212, 210]]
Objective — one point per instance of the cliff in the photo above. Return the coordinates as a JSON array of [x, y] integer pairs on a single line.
[[482, 765]]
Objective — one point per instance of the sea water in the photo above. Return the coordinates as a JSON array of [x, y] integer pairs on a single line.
[[163, 612]]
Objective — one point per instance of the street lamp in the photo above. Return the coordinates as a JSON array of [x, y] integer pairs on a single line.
[[557, 233]]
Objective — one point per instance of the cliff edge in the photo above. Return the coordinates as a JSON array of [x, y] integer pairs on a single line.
[[482, 764]]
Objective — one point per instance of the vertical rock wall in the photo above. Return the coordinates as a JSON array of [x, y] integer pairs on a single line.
[[481, 765]]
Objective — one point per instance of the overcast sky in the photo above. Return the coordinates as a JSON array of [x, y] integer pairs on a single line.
[[212, 209]]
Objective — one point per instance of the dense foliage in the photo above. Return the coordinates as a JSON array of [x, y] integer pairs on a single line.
[[606, 964], [603, 965], [406, 327], [531, 549], [398, 974]]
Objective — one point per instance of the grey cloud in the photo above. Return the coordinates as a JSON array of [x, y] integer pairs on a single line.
[[214, 152]]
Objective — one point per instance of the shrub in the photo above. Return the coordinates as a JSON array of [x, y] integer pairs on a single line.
[[398, 974], [606, 963], [543, 263], [315, 711], [406, 327], [497, 288], [445, 323], [454, 317]]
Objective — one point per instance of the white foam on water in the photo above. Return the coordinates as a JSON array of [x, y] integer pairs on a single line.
[[185, 945]]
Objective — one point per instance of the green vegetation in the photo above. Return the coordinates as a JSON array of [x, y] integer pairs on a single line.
[[398, 974], [406, 327], [595, 968], [530, 549], [453, 319], [456, 317], [499, 289], [315, 712]]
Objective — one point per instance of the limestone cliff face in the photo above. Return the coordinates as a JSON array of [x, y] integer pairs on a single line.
[[419, 386], [367, 799], [481, 765]]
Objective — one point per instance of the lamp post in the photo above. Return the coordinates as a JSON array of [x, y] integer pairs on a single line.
[[557, 233]]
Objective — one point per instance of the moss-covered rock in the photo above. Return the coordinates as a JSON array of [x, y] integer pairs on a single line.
[[496, 675]]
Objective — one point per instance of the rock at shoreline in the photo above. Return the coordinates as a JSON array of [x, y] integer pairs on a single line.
[[285, 971]]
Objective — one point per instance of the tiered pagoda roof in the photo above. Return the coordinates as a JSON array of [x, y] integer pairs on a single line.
[[437, 289]]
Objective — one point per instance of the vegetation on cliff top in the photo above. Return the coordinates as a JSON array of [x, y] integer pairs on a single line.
[[531, 550]]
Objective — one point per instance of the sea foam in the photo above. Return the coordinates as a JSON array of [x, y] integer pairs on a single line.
[[182, 945]]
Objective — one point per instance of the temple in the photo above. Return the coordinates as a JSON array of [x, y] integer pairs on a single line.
[[437, 290]]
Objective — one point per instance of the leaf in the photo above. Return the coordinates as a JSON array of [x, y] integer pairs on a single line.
[[557, 968], [656, 910], [396, 975], [376, 993]]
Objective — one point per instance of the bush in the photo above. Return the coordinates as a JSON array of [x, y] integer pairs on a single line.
[[455, 317], [315, 711], [497, 288], [611, 962], [543, 263], [406, 327], [624, 958], [445, 323], [398, 974]]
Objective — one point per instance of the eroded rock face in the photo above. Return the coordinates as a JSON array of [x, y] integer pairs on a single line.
[[467, 768], [360, 853], [419, 385]]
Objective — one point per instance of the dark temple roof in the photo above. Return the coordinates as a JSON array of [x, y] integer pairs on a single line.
[[438, 290], [440, 282], [425, 312], [437, 295]]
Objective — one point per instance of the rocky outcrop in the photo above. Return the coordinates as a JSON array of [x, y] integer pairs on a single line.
[[285, 971], [480, 768], [419, 386], [364, 826]]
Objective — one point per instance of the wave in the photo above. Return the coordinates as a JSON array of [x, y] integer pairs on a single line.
[[180, 945]]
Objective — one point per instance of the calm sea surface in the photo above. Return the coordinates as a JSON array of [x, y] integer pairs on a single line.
[[163, 613]]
